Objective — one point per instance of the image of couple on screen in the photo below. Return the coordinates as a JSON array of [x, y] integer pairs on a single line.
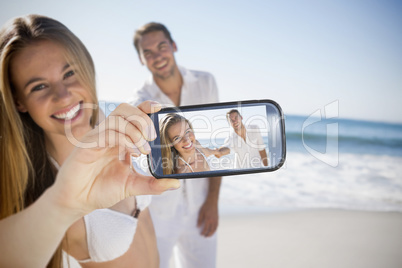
[[183, 153]]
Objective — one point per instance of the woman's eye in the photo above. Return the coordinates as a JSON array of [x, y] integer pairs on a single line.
[[38, 87], [68, 74]]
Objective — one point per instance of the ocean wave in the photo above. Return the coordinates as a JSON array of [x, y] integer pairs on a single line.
[[345, 138], [359, 182]]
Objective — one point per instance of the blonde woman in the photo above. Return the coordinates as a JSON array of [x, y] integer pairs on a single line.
[[181, 151], [48, 183]]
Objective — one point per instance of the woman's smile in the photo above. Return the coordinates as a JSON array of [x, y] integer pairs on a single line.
[[188, 146], [69, 114]]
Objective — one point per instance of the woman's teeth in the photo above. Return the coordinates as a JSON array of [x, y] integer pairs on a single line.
[[68, 115], [188, 146]]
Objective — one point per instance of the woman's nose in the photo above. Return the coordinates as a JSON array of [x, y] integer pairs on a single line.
[[60, 91], [187, 137]]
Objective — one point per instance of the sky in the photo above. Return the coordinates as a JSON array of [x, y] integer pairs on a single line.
[[305, 55]]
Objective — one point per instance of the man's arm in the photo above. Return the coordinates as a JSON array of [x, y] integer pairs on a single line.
[[208, 217], [260, 144], [264, 157]]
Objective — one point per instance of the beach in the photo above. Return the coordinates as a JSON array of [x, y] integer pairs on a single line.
[[309, 214], [357, 182], [336, 201], [322, 238]]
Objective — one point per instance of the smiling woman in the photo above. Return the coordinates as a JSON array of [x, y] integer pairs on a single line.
[[181, 152], [23, 37], [49, 90], [47, 183]]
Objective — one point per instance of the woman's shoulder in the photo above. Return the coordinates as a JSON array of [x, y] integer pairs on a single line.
[[181, 169]]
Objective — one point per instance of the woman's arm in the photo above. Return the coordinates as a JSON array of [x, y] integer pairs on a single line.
[[95, 176], [218, 152], [29, 238], [207, 151], [222, 151]]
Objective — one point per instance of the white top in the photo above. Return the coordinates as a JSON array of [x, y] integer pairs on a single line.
[[198, 88], [109, 233], [247, 153], [189, 166]]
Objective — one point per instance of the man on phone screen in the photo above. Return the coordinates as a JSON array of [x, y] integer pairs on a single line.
[[246, 143]]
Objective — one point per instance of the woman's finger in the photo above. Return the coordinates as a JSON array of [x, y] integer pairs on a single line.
[[150, 107], [134, 116], [139, 184], [133, 136]]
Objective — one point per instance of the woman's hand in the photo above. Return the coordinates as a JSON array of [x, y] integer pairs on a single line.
[[217, 153], [98, 173]]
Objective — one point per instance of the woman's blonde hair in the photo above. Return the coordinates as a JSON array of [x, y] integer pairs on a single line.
[[169, 153], [26, 170]]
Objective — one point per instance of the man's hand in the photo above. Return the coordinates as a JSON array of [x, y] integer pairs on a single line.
[[208, 218]]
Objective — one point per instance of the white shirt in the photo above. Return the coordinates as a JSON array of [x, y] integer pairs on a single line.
[[247, 153], [198, 88]]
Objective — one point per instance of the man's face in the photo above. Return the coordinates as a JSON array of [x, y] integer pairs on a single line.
[[235, 120], [156, 52]]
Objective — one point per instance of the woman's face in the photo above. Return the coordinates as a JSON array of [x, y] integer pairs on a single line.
[[182, 137], [47, 88]]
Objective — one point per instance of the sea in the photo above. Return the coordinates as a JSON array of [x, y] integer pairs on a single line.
[[331, 163]]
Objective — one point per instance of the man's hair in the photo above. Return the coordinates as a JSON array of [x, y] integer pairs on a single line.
[[230, 112], [149, 28]]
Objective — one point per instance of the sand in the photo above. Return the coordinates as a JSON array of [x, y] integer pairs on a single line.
[[311, 238]]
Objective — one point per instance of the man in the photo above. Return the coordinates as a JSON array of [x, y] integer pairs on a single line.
[[186, 219], [246, 142]]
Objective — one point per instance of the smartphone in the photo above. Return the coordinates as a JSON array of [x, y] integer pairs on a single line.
[[218, 139]]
